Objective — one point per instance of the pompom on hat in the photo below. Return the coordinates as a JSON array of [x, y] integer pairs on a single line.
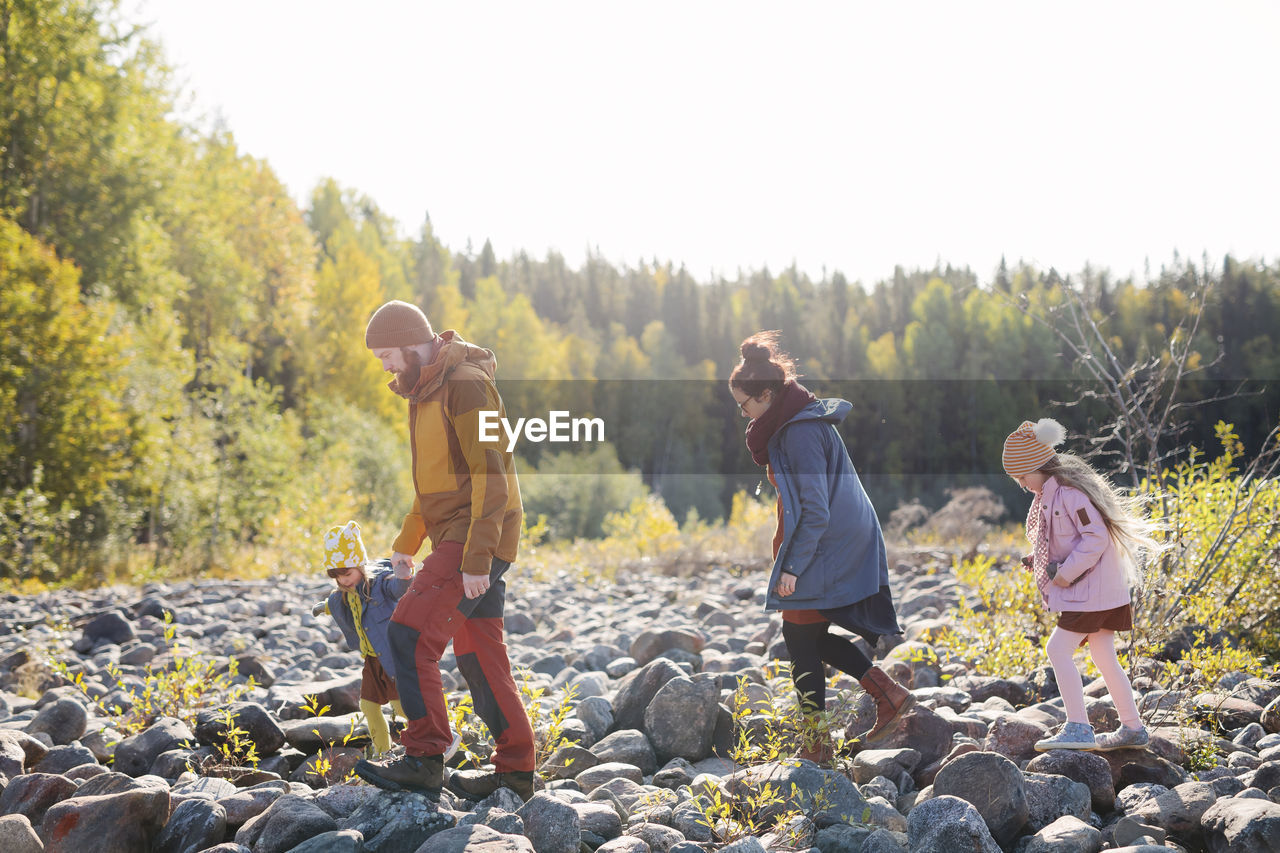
[[397, 324], [343, 548], [1031, 445]]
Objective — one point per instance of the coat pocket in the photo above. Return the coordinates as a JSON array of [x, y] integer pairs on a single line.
[[1062, 534], [1081, 590]]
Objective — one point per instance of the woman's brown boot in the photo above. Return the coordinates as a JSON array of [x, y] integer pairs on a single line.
[[816, 747], [891, 700]]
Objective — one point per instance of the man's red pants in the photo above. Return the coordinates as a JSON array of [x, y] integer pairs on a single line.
[[430, 614]]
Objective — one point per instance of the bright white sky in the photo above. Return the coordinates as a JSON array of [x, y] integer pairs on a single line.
[[849, 136]]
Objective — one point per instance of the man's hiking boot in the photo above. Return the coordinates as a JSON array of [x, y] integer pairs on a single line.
[[422, 774], [478, 784], [891, 700]]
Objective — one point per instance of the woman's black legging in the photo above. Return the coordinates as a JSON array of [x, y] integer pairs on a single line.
[[810, 646]]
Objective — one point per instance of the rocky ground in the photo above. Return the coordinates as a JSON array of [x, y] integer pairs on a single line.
[[654, 662]]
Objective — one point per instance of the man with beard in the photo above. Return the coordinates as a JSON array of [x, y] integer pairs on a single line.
[[467, 502]]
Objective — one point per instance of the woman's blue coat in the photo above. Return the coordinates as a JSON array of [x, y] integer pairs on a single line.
[[831, 539]]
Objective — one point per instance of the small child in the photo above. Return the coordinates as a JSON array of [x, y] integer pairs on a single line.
[[1086, 539], [367, 593]]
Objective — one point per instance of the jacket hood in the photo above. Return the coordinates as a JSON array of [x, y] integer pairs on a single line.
[[830, 409], [451, 353], [454, 351]]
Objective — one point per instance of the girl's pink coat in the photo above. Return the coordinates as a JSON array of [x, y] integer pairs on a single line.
[[1079, 541]]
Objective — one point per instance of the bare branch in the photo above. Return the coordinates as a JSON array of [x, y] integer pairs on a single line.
[[1144, 396]]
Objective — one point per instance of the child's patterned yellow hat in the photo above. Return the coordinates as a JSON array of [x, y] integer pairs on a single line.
[[343, 547]]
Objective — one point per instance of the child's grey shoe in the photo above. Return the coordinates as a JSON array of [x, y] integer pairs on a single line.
[[1072, 736], [453, 747], [1122, 738], [397, 727]]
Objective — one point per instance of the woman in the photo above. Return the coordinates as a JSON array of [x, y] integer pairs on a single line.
[[829, 555]]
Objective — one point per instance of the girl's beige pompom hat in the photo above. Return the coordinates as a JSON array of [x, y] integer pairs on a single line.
[[1031, 445]]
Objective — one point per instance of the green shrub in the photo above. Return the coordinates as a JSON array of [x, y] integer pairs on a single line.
[[30, 528], [179, 685], [1002, 629], [577, 491], [1223, 568], [645, 537], [775, 735]]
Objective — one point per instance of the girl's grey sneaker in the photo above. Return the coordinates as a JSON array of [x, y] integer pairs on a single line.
[[1122, 738], [453, 747], [1072, 736], [397, 727]]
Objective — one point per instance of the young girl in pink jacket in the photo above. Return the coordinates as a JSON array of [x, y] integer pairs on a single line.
[[1086, 539]]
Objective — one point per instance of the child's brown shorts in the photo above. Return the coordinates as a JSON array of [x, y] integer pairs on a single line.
[[1116, 619], [375, 684]]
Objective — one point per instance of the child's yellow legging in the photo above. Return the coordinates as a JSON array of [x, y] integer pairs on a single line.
[[378, 729]]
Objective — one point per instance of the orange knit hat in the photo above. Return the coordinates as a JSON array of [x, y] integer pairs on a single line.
[[1031, 445]]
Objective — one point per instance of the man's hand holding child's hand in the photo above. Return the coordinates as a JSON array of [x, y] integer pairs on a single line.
[[402, 565]]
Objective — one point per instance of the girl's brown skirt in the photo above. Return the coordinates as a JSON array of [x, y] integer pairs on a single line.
[[1116, 619], [376, 684]]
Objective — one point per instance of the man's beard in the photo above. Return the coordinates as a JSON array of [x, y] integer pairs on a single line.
[[407, 379]]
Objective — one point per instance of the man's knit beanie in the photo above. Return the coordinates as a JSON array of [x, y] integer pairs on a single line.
[[397, 324], [1031, 445]]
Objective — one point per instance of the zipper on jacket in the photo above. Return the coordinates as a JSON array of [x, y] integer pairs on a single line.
[[413, 447]]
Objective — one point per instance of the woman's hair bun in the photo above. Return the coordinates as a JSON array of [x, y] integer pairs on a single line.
[[755, 351], [764, 364]]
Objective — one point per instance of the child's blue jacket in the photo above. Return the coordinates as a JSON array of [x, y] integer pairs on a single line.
[[385, 590]]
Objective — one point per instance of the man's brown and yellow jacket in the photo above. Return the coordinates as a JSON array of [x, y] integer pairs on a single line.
[[466, 490]]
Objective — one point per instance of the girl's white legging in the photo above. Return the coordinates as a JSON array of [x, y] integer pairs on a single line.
[[1102, 647]]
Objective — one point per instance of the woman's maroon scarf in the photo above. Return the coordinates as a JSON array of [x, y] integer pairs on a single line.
[[784, 407]]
